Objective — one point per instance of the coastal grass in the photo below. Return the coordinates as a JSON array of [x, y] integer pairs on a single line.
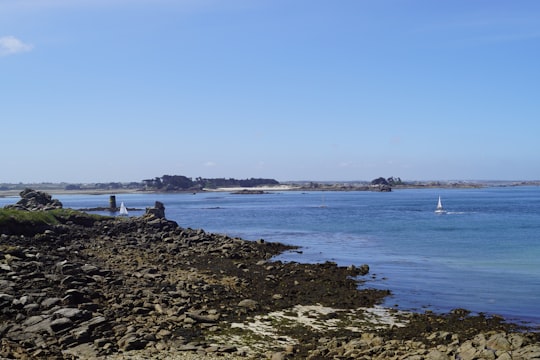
[[48, 217], [21, 216]]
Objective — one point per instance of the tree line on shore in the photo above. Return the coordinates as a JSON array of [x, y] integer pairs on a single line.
[[180, 182], [176, 183]]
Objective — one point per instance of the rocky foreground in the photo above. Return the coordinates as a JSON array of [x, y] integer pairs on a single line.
[[91, 287]]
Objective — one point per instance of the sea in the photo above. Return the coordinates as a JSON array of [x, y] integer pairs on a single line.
[[483, 255]]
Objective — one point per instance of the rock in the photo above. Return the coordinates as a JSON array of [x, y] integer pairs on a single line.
[[158, 211], [41, 327], [95, 322], [32, 200], [74, 297], [204, 318], [6, 299], [278, 356], [81, 351], [486, 354], [90, 269], [188, 347], [436, 355], [505, 356], [50, 302], [289, 349], [499, 342], [73, 314], [467, 351], [81, 334], [362, 270], [32, 320], [5, 267], [131, 342], [530, 352], [249, 304], [60, 324]]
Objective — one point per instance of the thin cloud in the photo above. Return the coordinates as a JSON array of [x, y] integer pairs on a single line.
[[10, 45], [346, 164], [209, 164]]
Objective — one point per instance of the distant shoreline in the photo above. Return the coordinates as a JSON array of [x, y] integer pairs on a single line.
[[15, 193], [303, 186]]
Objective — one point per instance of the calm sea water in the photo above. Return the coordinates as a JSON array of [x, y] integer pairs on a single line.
[[483, 255]]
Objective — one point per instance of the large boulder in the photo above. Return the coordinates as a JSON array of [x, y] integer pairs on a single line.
[[33, 200]]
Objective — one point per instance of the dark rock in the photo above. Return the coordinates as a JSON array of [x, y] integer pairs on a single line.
[[6, 299], [131, 342], [158, 211], [42, 326], [95, 322], [362, 270], [74, 297], [249, 192], [73, 314], [50, 302], [81, 334], [80, 351], [60, 324]]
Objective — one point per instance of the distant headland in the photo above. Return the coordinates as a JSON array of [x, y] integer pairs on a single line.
[[181, 183]]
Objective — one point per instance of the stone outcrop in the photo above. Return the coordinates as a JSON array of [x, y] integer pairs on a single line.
[[33, 200], [157, 212]]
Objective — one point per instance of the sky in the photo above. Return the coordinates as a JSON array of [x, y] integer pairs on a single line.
[[126, 90]]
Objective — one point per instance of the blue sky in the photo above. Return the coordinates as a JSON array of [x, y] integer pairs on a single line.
[[118, 90]]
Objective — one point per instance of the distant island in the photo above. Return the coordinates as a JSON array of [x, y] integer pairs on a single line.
[[181, 183], [165, 183]]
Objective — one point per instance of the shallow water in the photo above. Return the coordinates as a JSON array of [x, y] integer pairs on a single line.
[[482, 255]]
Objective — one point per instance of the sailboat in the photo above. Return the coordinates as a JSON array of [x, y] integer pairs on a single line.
[[440, 209], [123, 210]]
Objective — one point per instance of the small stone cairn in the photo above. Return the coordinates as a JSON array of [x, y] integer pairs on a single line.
[[33, 200]]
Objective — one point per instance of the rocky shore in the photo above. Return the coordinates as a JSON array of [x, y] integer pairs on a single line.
[[87, 287]]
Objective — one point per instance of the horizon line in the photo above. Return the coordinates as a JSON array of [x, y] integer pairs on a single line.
[[283, 181]]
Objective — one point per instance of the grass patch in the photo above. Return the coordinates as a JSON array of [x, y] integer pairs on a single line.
[[50, 217], [21, 216], [21, 222]]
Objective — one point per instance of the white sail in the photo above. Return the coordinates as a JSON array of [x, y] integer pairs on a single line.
[[123, 210], [440, 209]]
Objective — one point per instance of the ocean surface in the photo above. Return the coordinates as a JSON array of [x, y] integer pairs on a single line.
[[482, 255]]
